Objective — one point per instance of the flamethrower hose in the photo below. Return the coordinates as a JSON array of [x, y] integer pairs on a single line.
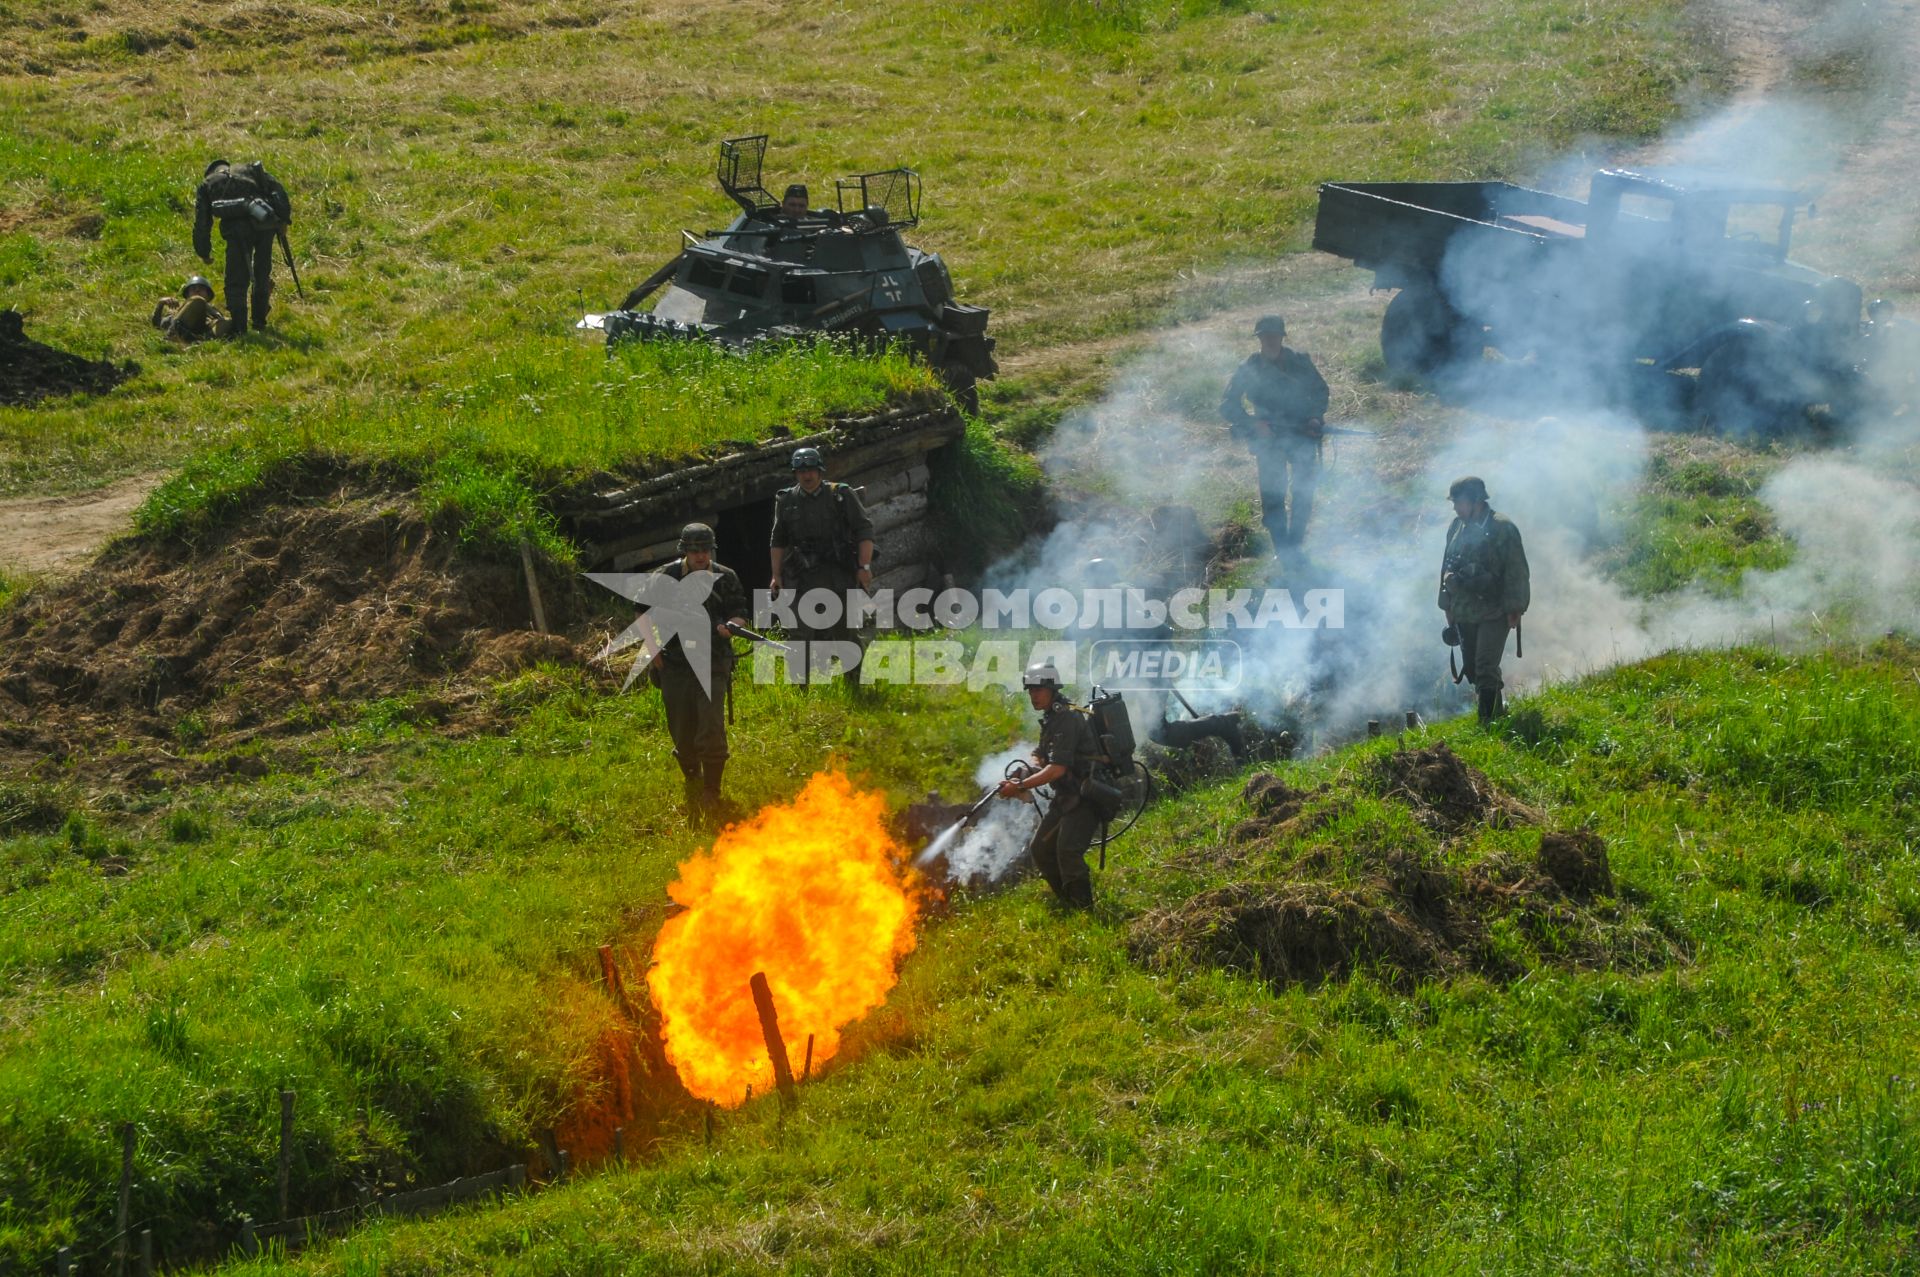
[[1146, 796]]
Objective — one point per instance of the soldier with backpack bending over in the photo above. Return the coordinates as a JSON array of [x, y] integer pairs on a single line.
[[252, 209]]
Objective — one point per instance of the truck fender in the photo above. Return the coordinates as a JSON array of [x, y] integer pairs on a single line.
[[1696, 352]]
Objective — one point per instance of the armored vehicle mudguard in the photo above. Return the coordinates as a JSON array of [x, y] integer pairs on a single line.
[[1648, 278], [840, 270]]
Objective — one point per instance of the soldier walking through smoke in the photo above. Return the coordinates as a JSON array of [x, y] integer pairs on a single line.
[[1064, 759], [253, 211], [1484, 589], [1276, 404], [822, 540], [696, 714]]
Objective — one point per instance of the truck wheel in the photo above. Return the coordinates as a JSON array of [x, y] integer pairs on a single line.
[[1420, 333], [1748, 390]]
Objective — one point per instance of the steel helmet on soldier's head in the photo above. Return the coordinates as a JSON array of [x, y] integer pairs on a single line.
[[196, 281], [1270, 324], [1041, 674], [696, 536], [807, 459], [1469, 487], [214, 165]]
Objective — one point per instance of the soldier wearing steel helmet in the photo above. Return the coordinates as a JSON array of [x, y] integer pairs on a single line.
[[822, 540], [696, 714], [1276, 404], [1484, 589], [1065, 758], [191, 316]]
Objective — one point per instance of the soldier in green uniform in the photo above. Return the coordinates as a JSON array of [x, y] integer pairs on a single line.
[[1276, 404], [1484, 588], [696, 715], [822, 540], [252, 209], [1065, 760]]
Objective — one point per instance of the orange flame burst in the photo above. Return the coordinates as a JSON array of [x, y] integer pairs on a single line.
[[817, 895]]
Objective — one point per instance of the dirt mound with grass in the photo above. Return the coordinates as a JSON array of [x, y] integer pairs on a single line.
[[31, 371], [165, 661], [1303, 911]]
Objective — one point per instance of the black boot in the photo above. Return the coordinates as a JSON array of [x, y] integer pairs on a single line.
[[690, 788], [710, 798], [1490, 706]]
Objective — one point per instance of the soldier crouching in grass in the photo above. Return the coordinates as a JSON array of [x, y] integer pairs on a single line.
[[1484, 589], [696, 709], [1064, 760]]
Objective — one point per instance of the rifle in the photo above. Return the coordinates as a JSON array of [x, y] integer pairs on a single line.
[[286, 250], [734, 627], [1184, 702]]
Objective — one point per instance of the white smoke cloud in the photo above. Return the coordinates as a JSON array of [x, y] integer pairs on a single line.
[[988, 849]]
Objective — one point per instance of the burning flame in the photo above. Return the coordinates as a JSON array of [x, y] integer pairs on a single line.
[[817, 895]]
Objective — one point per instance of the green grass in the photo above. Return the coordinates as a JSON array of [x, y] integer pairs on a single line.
[[400, 923], [1031, 1100], [465, 183], [1697, 520]]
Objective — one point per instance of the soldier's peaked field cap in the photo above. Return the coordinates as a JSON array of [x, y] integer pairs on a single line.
[[1270, 324], [1471, 487], [807, 459], [696, 536]]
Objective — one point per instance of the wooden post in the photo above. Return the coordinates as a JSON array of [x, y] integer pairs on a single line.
[[249, 1244], [770, 1030], [286, 1153], [123, 1215], [533, 588], [706, 1123], [620, 1145], [550, 1146], [146, 1252], [517, 1177], [566, 1164], [1413, 720], [63, 1261], [1373, 727], [806, 1070]]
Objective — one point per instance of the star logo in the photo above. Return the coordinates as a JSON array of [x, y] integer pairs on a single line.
[[674, 609]]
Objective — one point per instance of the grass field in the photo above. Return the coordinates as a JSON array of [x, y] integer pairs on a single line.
[[404, 924], [468, 178]]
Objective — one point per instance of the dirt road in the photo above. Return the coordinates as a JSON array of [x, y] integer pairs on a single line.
[[52, 535]]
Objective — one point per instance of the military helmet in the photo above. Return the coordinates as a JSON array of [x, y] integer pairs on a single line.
[[1101, 572], [797, 190], [1470, 487], [1274, 324], [807, 459], [1041, 674], [696, 536], [214, 165], [196, 281]]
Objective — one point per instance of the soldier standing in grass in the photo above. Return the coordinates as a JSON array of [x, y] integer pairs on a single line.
[[1484, 589], [1276, 404], [1064, 760], [822, 540], [253, 211], [696, 714]]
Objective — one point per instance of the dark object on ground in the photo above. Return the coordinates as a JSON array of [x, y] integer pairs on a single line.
[[31, 371], [1445, 793], [1577, 860], [835, 271], [1673, 297]]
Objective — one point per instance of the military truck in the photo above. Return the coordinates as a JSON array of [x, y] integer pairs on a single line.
[[1651, 288], [840, 270]]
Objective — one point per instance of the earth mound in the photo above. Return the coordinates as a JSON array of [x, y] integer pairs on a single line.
[[1406, 915], [31, 371], [301, 613]]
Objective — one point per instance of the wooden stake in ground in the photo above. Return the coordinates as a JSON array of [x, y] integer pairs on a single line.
[[123, 1217], [770, 1029], [286, 1153], [533, 588]]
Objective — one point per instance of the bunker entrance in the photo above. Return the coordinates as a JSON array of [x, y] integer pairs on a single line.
[[740, 541]]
